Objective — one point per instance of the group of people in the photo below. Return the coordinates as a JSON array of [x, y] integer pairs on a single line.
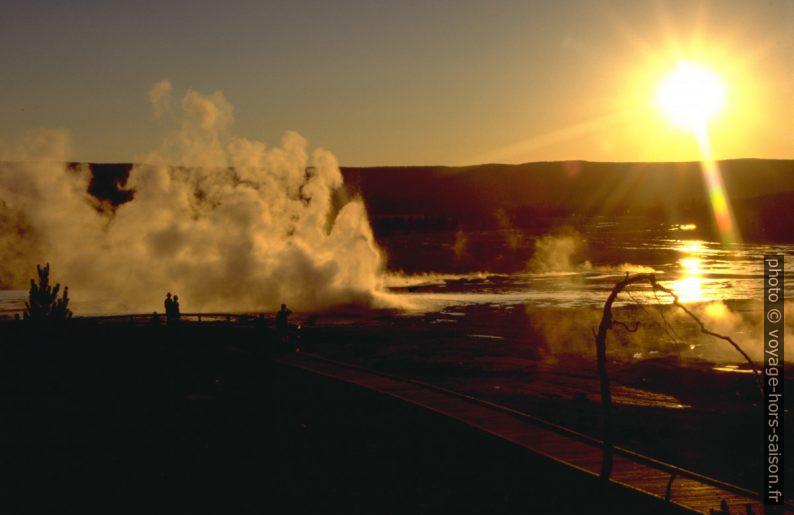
[[282, 318], [171, 308]]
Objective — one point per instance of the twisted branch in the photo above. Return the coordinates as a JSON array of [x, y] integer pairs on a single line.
[[624, 325], [705, 330], [607, 322]]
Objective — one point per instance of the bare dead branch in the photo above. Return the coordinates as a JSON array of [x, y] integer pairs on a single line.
[[601, 353], [607, 322], [668, 327], [627, 327], [705, 330]]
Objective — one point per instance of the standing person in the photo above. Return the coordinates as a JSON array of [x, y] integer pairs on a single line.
[[175, 306], [169, 308], [282, 316], [282, 325]]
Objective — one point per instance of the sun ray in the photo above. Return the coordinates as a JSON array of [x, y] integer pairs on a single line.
[[691, 96], [519, 150], [720, 203]]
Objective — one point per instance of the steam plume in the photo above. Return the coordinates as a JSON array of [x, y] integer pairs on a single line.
[[239, 226]]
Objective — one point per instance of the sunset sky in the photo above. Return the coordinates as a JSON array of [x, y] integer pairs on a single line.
[[390, 83]]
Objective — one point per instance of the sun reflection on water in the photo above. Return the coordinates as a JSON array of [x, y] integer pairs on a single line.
[[690, 284]]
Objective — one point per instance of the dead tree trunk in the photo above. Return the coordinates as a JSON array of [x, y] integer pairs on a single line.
[[601, 354], [607, 322]]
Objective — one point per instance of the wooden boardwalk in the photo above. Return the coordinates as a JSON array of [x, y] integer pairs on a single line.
[[683, 488]]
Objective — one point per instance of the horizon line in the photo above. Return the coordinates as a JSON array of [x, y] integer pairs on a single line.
[[341, 166]]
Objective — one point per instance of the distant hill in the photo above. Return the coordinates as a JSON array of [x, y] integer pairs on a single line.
[[567, 187], [527, 195]]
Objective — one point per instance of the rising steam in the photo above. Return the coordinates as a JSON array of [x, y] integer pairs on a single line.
[[562, 252], [558, 252], [238, 226]]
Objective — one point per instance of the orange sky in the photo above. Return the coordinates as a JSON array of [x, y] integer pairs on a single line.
[[404, 83]]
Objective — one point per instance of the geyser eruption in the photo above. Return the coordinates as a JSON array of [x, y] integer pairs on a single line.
[[236, 226]]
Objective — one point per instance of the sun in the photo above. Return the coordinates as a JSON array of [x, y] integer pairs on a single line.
[[691, 95]]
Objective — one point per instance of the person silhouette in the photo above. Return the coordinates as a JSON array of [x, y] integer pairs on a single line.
[[282, 322], [282, 325], [169, 307], [175, 307]]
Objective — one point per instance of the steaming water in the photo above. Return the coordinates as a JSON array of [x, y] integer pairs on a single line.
[[723, 284], [699, 271]]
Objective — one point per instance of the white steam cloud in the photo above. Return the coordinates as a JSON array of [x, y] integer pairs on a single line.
[[238, 226], [558, 252], [562, 252]]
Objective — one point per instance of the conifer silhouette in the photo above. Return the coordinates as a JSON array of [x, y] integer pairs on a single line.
[[43, 304]]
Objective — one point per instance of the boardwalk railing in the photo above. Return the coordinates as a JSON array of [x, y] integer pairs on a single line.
[[147, 317], [183, 317], [675, 472], [647, 460]]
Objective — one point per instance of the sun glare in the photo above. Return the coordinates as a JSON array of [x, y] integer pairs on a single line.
[[689, 284], [691, 95]]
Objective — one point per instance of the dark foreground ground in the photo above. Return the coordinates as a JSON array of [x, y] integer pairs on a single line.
[[669, 404], [116, 418]]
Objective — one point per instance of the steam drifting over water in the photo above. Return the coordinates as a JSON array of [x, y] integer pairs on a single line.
[[238, 226]]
